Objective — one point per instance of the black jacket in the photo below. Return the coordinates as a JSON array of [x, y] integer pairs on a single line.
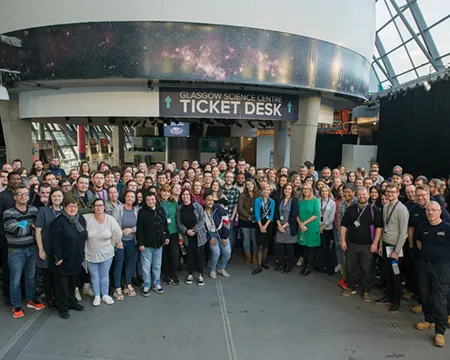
[[152, 228], [67, 244], [293, 213], [6, 202]]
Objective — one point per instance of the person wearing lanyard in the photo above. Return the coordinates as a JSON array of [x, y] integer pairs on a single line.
[[395, 233], [361, 230], [264, 214], [327, 212], [99, 191], [171, 251]]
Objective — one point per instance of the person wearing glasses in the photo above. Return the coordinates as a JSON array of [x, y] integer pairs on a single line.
[[104, 234], [65, 185], [22, 250], [67, 242]]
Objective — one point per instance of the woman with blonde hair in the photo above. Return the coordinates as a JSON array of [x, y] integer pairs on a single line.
[[309, 225], [327, 212]]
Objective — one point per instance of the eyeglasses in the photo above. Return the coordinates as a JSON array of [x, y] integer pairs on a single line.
[[99, 206], [23, 194], [73, 206]]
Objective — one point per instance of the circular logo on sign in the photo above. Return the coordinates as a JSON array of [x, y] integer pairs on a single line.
[[176, 130]]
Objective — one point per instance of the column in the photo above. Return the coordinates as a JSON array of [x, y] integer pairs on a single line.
[[17, 133], [304, 131], [280, 143], [81, 141], [118, 143], [41, 131]]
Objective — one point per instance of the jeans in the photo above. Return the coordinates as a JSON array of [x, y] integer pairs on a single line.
[[127, 255], [216, 250], [359, 255], [337, 247], [151, 259], [434, 283], [232, 235], [100, 276], [22, 260], [249, 238]]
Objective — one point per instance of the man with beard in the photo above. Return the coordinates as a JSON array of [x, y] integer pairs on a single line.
[[326, 176], [240, 183], [435, 188], [37, 169], [56, 170]]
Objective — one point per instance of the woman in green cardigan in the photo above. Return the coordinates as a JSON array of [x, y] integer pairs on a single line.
[[309, 225]]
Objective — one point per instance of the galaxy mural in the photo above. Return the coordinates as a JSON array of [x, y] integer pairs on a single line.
[[183, 51]]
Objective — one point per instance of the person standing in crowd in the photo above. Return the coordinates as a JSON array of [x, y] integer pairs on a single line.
[[55, 169], [286, 210], [41, 199], [218, 196], [176, 192], [44, 218], [110, 180], [73, 175], [7, 201], [375, 197], [4, 180], [232, 195], [197, 192], [19, 224], [171, 251], [126, 215], [65, 185], [139, 177], [247, 221], [264, 211], [217, 225], [309, 226], [216, 175], [98, 182], [327, 212], [50, 179], [152, 234], [351, 177], [191, 223], [104, 234], [435, 186], [433, 239], [84, 169], [16, 164], [37, 169], [395, 233], [113, 200], [361, 230], [83, 195], [240, 182], [67, 241], [326, 176]]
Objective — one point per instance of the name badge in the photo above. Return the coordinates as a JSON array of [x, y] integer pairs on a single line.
[[251, 209], [169, 221], [282, 218], [357, 224]]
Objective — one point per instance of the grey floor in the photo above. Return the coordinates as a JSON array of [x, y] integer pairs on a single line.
[[267, 316]]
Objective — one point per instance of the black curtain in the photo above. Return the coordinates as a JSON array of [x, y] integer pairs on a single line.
[[414, 130], [329, 149]]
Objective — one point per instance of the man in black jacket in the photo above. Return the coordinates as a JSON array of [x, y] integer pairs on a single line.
[[7, 202], [152, 233]]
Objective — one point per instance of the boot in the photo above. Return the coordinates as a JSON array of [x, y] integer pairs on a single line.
[[255, 258], [248, 258]]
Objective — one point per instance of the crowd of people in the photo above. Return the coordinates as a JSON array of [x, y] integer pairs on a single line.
[[108, 232]]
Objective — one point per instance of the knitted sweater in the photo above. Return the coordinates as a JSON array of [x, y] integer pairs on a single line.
[[19, 230]]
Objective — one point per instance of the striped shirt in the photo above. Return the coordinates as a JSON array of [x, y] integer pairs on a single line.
[[19, 230]]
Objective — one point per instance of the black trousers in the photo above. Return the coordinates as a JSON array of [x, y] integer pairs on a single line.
[[407, 269], [5, 269], [434, 283], [171, 256], [196, 260], [309, 253], [285, 252], [359, 257], [327, 250], [49, 285], [393, 282], [65, 291]]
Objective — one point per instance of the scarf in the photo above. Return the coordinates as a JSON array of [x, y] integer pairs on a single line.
[[74, 220]]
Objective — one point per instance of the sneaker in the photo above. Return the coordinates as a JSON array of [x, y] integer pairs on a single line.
[[77, 294], [439, 340], [408, 295], [223, 272], [76, 307], [87, 290], [168, 281], [340, 282], [18, 313], [96, 301], [213, 275], [64, 314], [189, 279], [158, 289], [337, 268], [175, 280], [424, 325], [145, 291], [200, 280], [300, 262], [417, 309], [394, 308], [383, 301], [36, 305], [348, 292], [366, 297], [108, 300]]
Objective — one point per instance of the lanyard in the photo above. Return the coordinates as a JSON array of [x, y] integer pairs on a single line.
[[167, 209], [322, 208], [362, 212], [102, 196], [389, 215], [265, 208]]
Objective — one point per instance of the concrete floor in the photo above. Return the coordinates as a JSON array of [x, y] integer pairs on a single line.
[[267, 316]]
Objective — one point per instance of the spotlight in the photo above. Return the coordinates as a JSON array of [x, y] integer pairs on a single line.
[[150, 84], [90, 121], [238, 124], [67, 118], [112, 120], [426, 85], [263, 125], [250, 124]]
